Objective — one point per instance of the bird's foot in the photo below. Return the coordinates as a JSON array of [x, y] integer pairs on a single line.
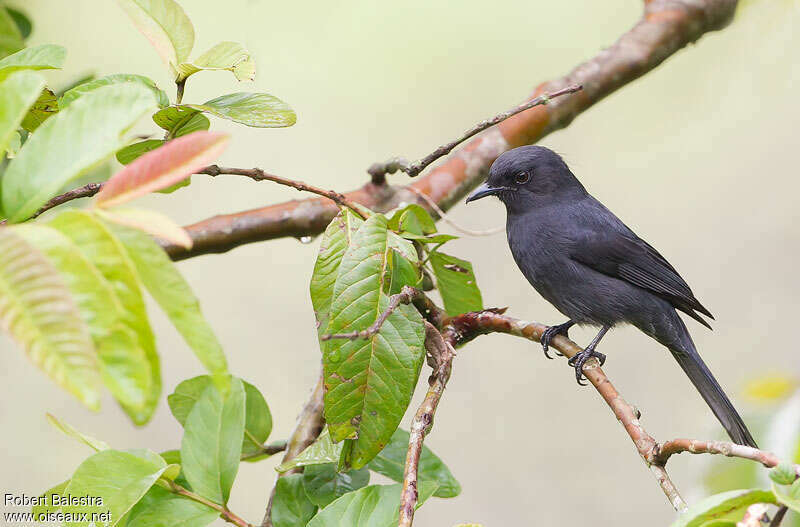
[[581, 358], [551, 332]]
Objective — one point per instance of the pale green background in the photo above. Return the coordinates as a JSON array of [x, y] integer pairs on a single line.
[[700, 158]]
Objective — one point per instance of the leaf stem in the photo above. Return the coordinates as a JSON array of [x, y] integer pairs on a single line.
[[225, 513]]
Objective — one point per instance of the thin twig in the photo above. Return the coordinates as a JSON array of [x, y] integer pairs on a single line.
[[663, 451], [224, 512], [405, 296], [445, 218], [266, 450], [778, 518], [378, 171], [258, 174], [309, 425], [90, 189], [440, 354]]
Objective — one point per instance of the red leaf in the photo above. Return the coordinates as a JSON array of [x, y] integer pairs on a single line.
[[162, 167]]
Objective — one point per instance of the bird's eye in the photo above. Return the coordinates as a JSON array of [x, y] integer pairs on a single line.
[[522, 178]]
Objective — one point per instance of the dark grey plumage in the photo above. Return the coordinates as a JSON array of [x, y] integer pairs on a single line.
[[582, 259]]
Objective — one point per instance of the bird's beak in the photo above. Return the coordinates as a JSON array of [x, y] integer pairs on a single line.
[[483, 191]]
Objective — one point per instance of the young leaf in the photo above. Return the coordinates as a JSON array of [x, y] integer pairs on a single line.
[[212, 441], [323, 483], [335, 242], [391, 463], [44, 57], [38, 311], [155, 170], [108, 255], [413, 219], [122, 362], [149, 221], [165, 25], [291, 507], [224, 56], [159, 275], [456, 283], [67, 429], [45, 106], [259, 110], [320, 452], [161, 508], [119, 478], [783, 474], [258, 419], [131, 152], [70, 143], [729, 505], [117, 78], [373, 506], [17, 93], [369, 382]]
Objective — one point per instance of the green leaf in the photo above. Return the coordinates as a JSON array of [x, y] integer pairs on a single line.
[[196, 123], [291, 507], [373, 506], [323, 483], [22, 22], [173, 294], [173, 118], [17, 93], [67, 429], [437, 239], [119, 478], [334, 243], [117, 78], [391, 463], [259, 110], [69, 144], [186, 395], [783, 474], [729, 505], [44, 57], [165, 25], [173, 457], [38, 311], [224, 56], [123, 364], [212, 441], [108, 255], [129, 153], [173, 162], [47, 506], [789, 496], [369, 382], [413, 219], [320, 452], [456, 283], [161, 508], [44, 107]]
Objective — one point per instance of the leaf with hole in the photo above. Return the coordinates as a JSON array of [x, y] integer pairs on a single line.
[[165, 25], [161, 168], [69, 144], [369, 382], [38, 311], [229, 56], [456, 283]]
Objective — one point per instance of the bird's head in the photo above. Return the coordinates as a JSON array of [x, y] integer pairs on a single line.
[[528, 176]]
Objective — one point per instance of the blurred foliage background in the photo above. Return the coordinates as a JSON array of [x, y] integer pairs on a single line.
[[699, 157]]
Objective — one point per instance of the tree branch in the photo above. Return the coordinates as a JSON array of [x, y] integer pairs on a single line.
[[378, 171], [666, 27], [405, 296]]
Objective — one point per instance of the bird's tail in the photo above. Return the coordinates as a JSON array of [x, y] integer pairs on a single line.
[[709, 388]]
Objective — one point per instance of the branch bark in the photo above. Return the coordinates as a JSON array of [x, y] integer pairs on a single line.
[[665, 27]]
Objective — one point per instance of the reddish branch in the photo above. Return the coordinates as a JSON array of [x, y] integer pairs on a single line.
[[666, 27]]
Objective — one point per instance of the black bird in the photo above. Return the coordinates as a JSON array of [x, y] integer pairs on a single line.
[[582, 259]]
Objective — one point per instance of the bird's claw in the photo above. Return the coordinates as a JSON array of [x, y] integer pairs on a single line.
[[550, 333], [580, 359]]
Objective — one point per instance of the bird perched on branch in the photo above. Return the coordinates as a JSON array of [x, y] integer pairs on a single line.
[[582, 259]]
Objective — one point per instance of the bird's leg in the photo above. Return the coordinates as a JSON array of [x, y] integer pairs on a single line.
[[580, 359], [552, 331]]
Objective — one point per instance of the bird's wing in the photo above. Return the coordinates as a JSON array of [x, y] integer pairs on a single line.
[[633, 260]]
